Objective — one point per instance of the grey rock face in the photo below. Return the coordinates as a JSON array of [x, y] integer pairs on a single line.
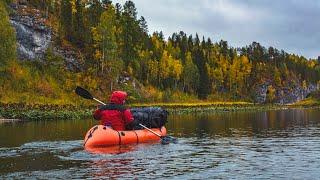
[[33, 37], [260, 93], [71, 59], [284, 95], [287, 96]]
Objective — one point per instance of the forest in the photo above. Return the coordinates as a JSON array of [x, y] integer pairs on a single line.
[[114, 45]]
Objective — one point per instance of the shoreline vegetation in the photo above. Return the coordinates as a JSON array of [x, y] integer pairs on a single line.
[[24, 112]]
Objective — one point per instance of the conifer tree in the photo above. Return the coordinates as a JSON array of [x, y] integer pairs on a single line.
[[78, 25], [7, 38], [65, 29]]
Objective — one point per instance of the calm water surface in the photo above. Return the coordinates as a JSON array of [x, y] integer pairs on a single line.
[[282, 144]]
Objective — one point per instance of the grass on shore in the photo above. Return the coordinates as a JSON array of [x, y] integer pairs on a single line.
[[191, 104], [50, 112], [312, 101], [309, 102]]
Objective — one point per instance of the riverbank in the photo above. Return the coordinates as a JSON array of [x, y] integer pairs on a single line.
[[308, 102], [52, 112], [210, 107], [26, 112]]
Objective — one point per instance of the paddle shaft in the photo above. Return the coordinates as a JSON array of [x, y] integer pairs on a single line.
[[150, 130], [99, 101]]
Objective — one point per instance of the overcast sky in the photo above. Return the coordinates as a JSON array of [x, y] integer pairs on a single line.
[[291, 25]]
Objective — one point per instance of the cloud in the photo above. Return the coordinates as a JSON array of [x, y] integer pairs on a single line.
[[232, 12], [291, 25]]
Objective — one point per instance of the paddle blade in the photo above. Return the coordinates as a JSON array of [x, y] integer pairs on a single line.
[[168, 139], [83, 93]]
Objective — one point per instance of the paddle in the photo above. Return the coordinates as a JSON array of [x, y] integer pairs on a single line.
[[86, 94], [164, 139]]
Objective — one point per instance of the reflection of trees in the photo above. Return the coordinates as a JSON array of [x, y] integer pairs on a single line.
[[239, 123], [273, 120], [43, 131], [260, 121], [224, 124]]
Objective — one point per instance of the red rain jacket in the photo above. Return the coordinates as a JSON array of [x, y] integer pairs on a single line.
[[115, 118]]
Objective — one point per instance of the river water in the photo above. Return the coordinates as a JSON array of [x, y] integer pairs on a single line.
[[281, 144]]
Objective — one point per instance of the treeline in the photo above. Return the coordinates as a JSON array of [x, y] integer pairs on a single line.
[[112, 39]]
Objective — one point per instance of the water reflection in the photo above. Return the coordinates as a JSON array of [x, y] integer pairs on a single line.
[[112, 168], [16, 134], [269, 145], [111, 150], [241, 123]]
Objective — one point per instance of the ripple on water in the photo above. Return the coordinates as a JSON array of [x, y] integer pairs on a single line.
[[9, 152]]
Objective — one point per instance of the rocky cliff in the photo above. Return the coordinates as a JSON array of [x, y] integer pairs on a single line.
[[287, 95], [33, 36]]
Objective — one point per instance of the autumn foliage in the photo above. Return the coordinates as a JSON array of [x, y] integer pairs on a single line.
[[115, 43]]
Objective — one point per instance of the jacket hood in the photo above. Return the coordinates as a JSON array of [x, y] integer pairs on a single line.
[[118, 97]]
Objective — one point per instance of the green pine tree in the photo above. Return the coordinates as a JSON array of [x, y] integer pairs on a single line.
[[7, 38]]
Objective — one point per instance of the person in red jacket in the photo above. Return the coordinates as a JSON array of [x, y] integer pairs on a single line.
[[115, 114]]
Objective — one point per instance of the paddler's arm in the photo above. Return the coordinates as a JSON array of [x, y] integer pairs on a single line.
[[97, 114], [130, 122]]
